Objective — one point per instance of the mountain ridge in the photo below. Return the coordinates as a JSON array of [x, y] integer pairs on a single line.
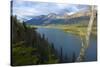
[[53, 18]]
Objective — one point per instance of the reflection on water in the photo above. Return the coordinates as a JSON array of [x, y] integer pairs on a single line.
[[69, 43]]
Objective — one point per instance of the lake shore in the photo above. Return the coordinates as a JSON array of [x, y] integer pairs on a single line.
[[73, 28]]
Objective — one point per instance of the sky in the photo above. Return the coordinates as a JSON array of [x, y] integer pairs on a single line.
[[28, 9]]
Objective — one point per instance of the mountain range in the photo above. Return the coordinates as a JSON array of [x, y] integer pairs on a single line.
[[52, 18]]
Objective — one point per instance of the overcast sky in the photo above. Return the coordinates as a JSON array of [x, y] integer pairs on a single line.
[[28, 9]]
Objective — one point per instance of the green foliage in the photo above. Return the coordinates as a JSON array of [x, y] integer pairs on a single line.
[[28, 47], [22, 56]]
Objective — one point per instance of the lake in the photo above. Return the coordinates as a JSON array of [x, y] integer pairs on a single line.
[[69, 43]]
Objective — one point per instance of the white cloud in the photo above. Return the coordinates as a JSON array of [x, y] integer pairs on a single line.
[[24, 12], [61, 6], [28, 9]]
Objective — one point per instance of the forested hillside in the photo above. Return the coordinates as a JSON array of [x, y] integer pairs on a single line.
[[28, 47]]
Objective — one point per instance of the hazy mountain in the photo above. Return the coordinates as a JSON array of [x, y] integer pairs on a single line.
[[52, 18]]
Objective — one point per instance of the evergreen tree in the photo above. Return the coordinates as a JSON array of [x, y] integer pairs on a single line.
[[73, 57], [61, 55]]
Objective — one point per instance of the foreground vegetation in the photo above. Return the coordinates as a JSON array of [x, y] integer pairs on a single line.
[[28, 47]]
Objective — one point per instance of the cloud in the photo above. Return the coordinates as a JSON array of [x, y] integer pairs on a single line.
[[27, 9]]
